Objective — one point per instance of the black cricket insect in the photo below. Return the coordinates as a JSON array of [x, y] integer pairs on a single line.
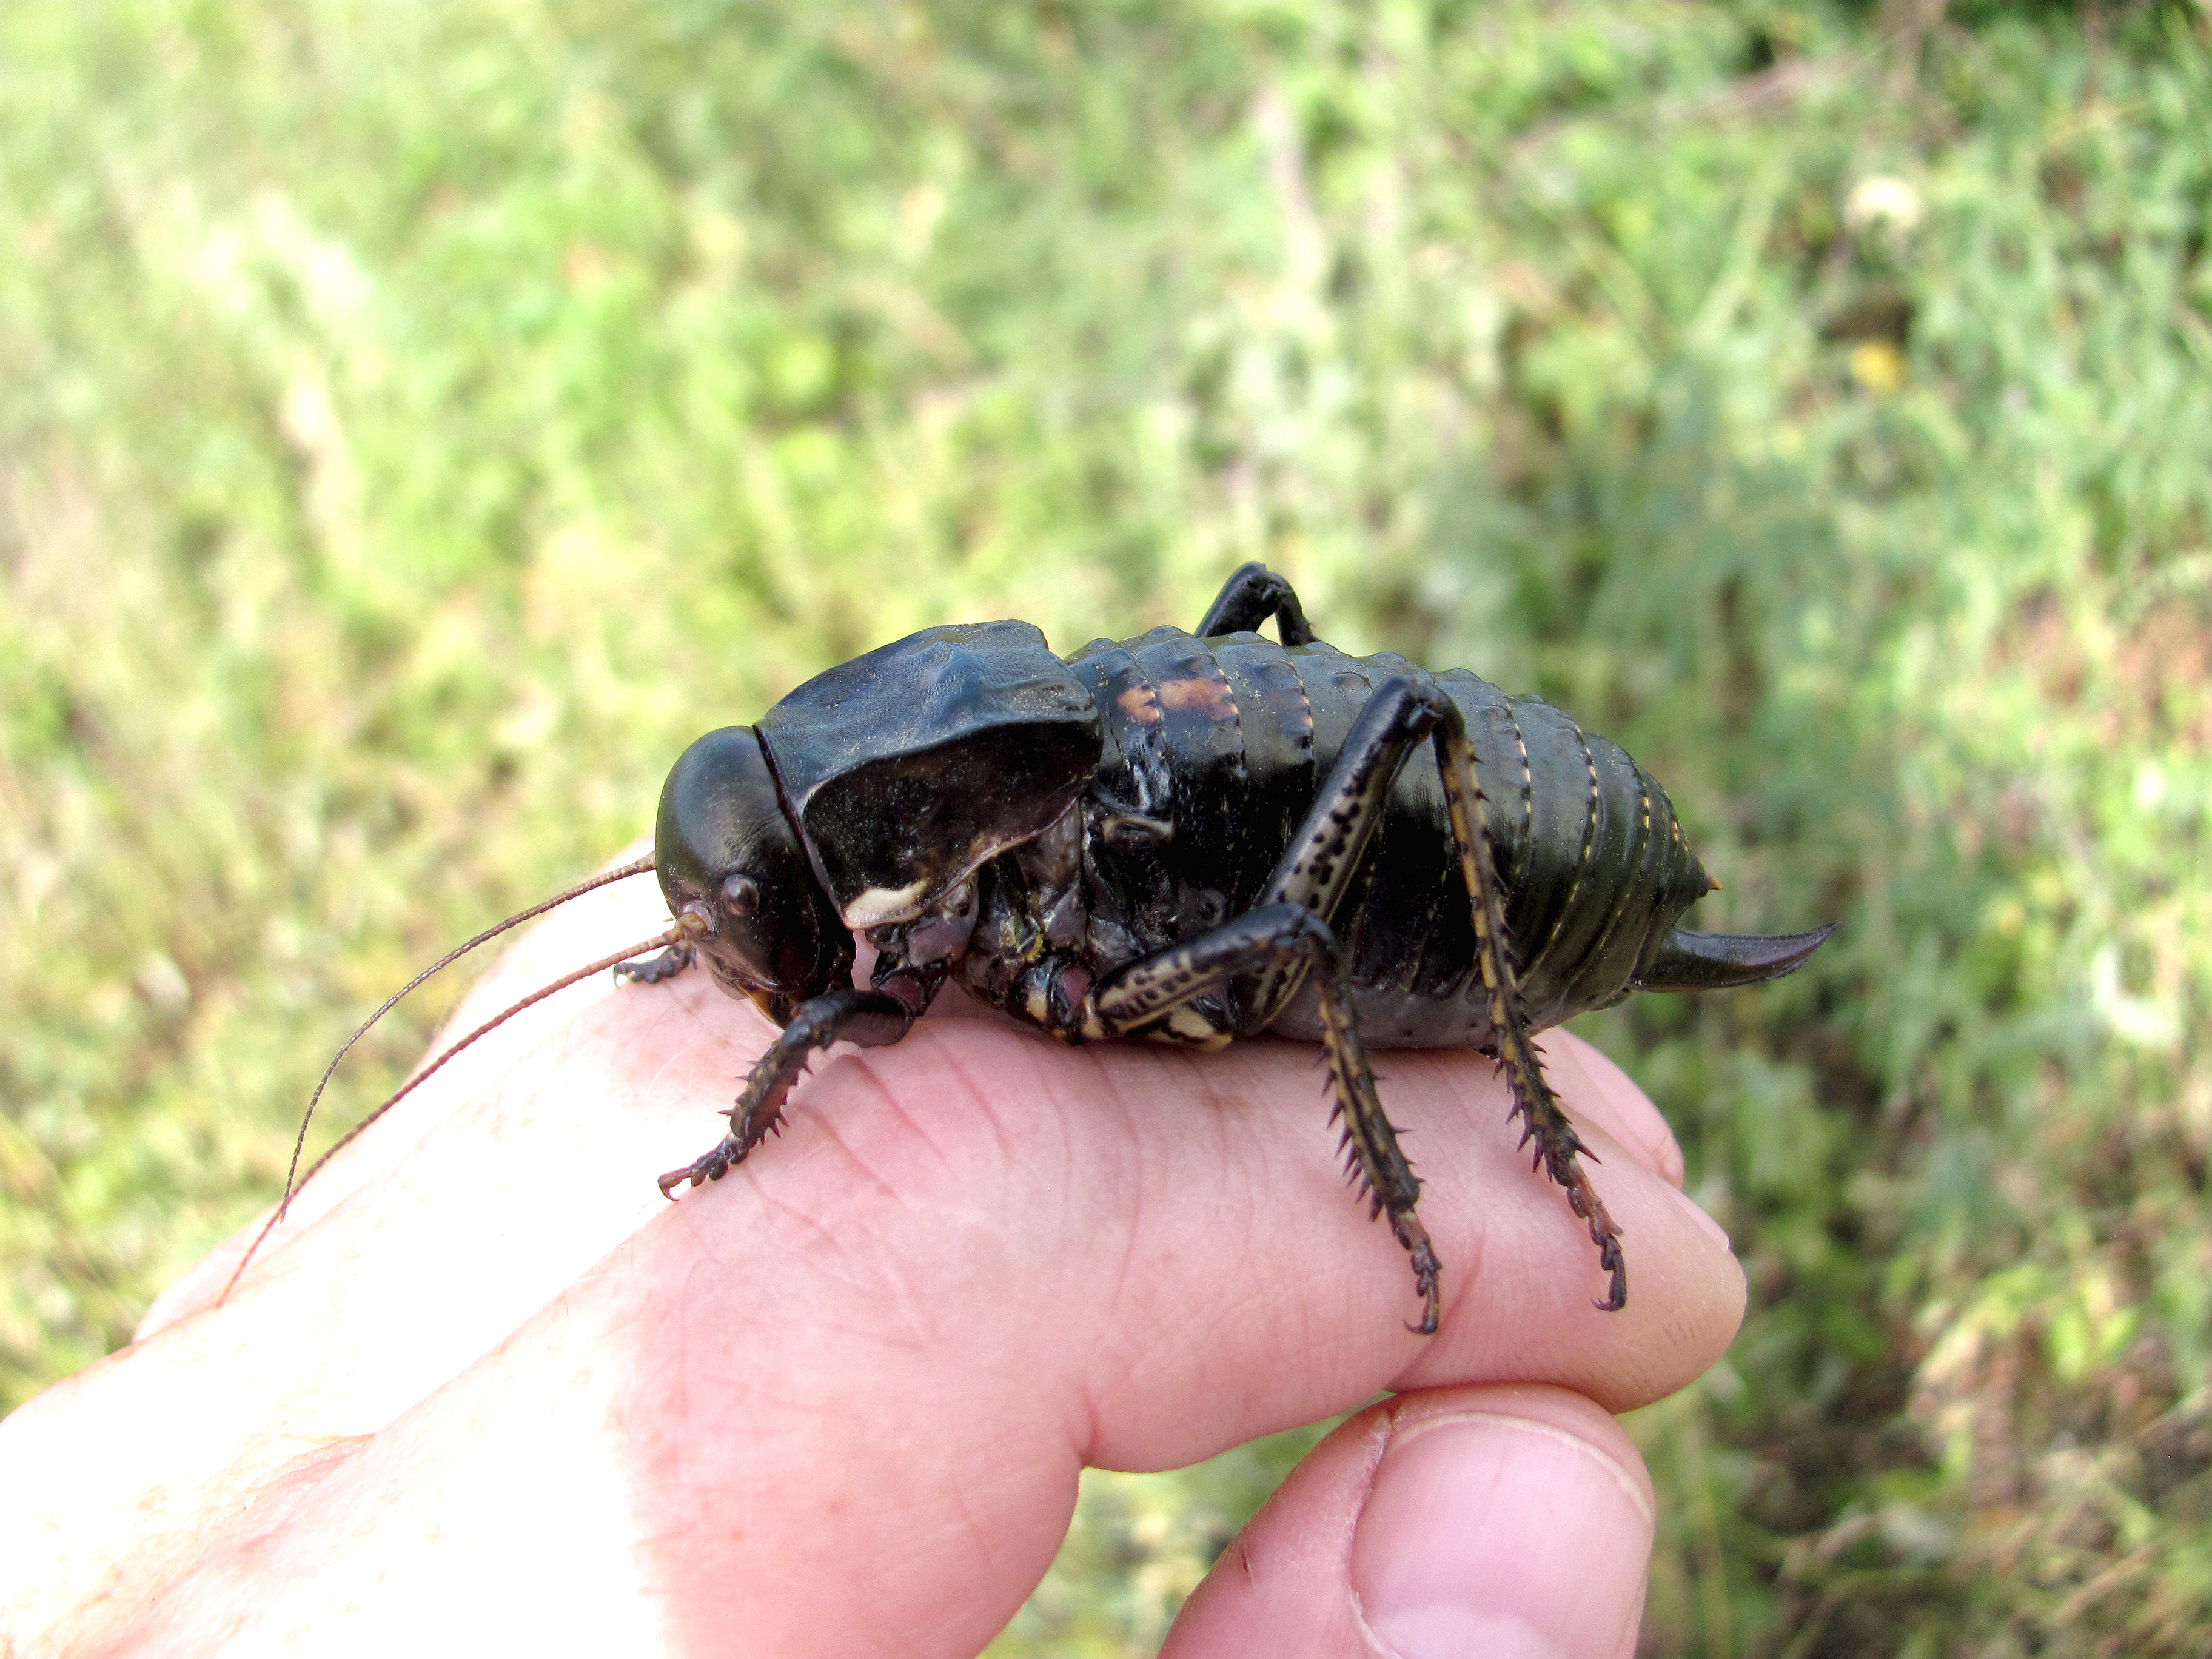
[[1189, 837]]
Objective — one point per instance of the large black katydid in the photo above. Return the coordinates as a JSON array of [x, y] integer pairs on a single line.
[[1187, 837]]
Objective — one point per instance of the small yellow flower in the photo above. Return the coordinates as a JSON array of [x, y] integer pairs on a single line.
[[1877, 366]]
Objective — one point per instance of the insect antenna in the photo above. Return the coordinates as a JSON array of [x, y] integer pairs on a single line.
[[294, 1180]]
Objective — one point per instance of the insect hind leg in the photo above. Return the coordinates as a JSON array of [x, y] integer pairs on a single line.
[[1153, 988], [1319, 867], [1558, 1146]]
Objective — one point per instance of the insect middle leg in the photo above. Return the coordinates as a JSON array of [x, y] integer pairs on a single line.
[[1252, 595], [1149, 991]]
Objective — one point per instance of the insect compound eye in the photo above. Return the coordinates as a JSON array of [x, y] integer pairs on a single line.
[[741, 896]]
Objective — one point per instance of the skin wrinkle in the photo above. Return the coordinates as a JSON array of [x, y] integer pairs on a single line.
[[896, 1112], [843, 1285], [1082, 1416], [702, 1361], [1232, 1118], [1460, 1282], [1241, 1106], [956, 1062], [668, 1059], [1108, 1084], [920, 1493], [981, 1545], [885, 1117], [1263, 1296], [1356, 1288], [684, 1011], [1535, 1335], [1077, 1195], [1071, 1189], [1245, 1249], [672, 1339], [765, 1193], [1224, 1106], [1457, 1284], [1119, 1280], [951, 1049], [1166, 1355], [1377, 1437]]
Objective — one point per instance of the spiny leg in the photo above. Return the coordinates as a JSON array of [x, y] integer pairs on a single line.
[[1252, 595], [869, 1017], [1317, 868], [1557, 1144], [1316, 871], [651, 970], [1152, 989]]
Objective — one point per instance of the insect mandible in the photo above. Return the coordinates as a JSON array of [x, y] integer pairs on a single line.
[[1189, 837]]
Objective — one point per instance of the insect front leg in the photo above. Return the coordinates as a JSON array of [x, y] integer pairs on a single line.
[[651, 970], [871, 1018], [1252, 595], [1154, 988]]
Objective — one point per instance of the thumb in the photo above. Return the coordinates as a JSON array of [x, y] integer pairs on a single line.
[[1511, 1521]]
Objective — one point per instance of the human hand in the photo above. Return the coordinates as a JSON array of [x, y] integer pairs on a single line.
[[485, 1391]]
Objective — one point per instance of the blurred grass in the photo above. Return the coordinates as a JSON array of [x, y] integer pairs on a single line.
[[416, 423]]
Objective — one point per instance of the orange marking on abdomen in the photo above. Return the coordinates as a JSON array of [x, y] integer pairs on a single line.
[[1209, 697], [1139, 703]]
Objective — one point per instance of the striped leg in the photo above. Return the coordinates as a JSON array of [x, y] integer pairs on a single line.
[[1149, 991], [1316, 871], [1542, 1119]]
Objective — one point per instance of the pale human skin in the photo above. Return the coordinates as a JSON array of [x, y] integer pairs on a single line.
[[485, 1392]]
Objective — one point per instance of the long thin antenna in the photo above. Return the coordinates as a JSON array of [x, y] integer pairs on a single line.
[[688, 927], [300, 1142]]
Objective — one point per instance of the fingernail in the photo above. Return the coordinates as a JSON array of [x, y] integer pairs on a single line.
[[1503, 1537], [1706, 1225]]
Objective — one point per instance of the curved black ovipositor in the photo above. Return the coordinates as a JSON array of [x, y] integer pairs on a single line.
[[1713, 962]]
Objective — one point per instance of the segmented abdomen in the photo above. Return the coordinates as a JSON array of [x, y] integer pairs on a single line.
[[1223, 744]]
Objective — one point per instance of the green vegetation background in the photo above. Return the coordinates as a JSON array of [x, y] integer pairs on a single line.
[[418, 422]]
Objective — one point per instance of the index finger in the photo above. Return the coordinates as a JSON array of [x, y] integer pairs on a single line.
[[839, 1399]]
